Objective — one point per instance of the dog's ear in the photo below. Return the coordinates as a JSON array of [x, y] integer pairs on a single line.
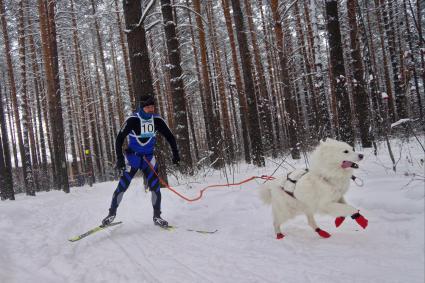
[[329, 140]]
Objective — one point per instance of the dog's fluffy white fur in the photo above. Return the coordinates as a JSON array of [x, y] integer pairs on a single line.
[[320, 190]]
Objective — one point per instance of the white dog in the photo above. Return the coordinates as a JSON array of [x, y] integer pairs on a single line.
[[320, 189]]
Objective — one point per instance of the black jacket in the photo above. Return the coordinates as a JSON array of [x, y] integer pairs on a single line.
[[132, 125]]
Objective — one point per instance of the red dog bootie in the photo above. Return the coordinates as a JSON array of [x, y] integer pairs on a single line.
[[322, 233], [279, 236], [360, 220], [339, 220]]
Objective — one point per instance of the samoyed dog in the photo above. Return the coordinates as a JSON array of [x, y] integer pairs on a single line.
[[320, 189]]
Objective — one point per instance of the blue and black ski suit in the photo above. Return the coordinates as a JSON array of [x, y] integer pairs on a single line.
[[141, 129]]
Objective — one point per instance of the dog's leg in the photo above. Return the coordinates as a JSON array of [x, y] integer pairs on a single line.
[[278, 220], [340, 219], [279, 234], [342, 200], [341, 210], [312, 223]]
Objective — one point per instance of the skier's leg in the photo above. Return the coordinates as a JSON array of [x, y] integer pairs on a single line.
[[154, 187], [123, 184]]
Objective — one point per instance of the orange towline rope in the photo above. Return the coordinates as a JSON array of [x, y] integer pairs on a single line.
[[201, 192]]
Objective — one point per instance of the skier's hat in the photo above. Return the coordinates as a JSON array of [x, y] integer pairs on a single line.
[[147, 100]]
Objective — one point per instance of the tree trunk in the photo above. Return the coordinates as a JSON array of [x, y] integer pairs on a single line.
[[111, 128], [37, 87], [290, 103], [26, 124], [360, 96], [400, 98], [412, 64], [243, 104], [212, 122], [12, 83], [139, 59], [49, 44], [344, 127], [272, 82], [177, 86], [253, 125], [67, 85], [228, 143], [263, 99], [309, 90], [125, 56], [6, 181]]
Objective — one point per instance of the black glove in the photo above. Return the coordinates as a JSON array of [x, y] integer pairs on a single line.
[[176, 158], [120, 164]]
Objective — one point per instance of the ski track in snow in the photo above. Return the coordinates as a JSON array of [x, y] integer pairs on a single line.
[[35, 234]]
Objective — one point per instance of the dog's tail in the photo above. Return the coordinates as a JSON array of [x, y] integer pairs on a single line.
[[265, 193]]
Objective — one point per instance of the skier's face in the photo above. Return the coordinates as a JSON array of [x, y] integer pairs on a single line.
[[150, 109]]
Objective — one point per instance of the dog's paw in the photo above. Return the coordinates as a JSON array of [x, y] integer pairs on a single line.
[[339, 220], [322, 233], [363, 222], [279, 236]]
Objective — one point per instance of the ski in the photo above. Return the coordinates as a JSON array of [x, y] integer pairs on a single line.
[[202, 231], [168, 227], [92, 231], [172, 228]]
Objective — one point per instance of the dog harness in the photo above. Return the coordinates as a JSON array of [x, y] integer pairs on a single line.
[[294, 181]]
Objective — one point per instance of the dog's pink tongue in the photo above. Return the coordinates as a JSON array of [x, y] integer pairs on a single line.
[[346, 164]]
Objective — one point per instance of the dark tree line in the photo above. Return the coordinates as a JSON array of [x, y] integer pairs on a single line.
[[235, 80]]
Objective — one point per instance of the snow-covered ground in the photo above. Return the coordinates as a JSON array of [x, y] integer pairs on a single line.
[[34, 233]]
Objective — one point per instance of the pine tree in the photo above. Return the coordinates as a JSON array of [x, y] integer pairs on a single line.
[[360, 95], [247, 68], [290, 115], [344, 128], [6, 181], [50, 57], [177, 86]]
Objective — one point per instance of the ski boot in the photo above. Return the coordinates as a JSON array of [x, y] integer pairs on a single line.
[[157, 220], [108, 219]]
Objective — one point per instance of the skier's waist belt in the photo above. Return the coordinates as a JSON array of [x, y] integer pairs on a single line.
[[139, 154]]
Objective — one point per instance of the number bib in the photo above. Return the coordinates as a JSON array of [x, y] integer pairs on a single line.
[[147, 129]]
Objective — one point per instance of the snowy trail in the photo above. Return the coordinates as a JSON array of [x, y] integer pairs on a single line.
[[34, 232]]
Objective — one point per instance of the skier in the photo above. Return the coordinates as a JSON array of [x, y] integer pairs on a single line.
[[141, 129]]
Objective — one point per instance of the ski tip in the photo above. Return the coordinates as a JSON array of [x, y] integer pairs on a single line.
[[92, 231], [168, 228], [205, 232]]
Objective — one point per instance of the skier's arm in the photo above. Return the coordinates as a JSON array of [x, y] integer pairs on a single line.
[[127, 127], [164, 130]]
